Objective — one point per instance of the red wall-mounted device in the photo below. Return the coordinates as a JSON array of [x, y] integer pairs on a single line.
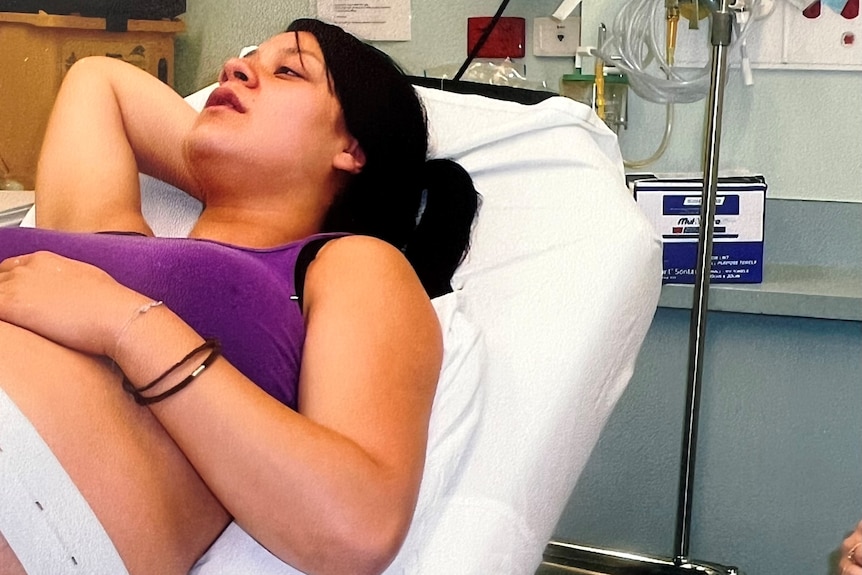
[[506, 41]]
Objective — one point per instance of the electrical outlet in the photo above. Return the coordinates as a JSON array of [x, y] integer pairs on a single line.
[[554, 38]]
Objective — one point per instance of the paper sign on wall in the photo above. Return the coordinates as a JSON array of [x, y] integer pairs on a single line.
[[369, 19]]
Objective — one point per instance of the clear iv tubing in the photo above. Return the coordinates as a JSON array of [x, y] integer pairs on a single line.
[[635, 46], [665, 140]]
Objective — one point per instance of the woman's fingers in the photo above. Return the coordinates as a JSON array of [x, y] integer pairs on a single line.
[[70, 302], [11, 263]]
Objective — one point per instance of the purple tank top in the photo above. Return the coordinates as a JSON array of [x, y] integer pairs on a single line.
[[244, 297]]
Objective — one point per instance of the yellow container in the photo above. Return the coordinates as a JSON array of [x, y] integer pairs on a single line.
[[36, 50], [582, 87]]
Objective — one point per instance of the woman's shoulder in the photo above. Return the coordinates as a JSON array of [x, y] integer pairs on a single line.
[[349, 251], [361, 263]]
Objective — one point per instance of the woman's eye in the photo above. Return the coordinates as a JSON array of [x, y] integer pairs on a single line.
[[285, 71]]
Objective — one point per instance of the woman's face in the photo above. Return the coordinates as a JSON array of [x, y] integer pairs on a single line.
[[273, 121]]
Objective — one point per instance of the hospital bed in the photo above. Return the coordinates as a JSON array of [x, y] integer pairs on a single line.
[[541, 333]]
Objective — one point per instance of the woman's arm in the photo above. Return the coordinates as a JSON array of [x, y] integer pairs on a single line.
[[110, 120], [330, 490]]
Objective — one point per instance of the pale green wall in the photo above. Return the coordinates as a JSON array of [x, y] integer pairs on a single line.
[[217, 27], [801, 129]]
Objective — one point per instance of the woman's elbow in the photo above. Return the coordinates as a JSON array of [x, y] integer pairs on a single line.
[[345, 543], [370, 547]]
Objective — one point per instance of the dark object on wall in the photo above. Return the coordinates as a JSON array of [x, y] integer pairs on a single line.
[[111, 9]]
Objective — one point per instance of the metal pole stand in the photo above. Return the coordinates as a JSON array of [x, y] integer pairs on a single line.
[[570, 558], [721, 31]]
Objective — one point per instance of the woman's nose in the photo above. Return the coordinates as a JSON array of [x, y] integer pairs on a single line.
[[238, 70]]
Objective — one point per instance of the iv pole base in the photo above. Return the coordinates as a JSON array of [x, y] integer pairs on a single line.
[[571, 559]]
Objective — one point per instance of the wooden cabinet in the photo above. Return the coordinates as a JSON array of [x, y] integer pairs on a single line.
[[36, 51]]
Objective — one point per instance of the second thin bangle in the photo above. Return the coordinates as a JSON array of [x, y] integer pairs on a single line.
[[137, 393]]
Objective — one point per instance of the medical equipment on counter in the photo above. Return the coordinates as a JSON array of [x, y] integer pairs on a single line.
[[672, 204]]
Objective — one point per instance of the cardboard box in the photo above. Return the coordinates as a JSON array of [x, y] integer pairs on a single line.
[[36, 50], [673, 207]]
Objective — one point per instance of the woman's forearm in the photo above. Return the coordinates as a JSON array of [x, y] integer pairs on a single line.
[[312, 496], [110, 121], [330, 490]]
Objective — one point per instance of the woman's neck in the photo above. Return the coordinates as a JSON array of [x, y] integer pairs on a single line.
[[253, 228]]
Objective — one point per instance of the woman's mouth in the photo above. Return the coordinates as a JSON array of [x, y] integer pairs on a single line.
[[224, 97]]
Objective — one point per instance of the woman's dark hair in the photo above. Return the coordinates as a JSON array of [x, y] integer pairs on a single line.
[[424, 207]]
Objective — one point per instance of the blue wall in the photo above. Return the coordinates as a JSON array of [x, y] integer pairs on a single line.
[[779, 464]]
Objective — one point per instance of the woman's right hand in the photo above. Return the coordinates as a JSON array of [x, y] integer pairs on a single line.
[[69, 302]]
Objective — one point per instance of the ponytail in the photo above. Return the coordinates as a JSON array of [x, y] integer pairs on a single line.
[[441, 238], [428, 217]]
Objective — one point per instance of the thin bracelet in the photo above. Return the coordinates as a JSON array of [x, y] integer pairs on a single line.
[[137, 392], [135, 315]]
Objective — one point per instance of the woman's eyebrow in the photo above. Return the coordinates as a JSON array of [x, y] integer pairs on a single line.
[[294, 51]]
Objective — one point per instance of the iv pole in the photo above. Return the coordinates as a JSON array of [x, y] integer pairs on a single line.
[[590, 559], [721, 29]]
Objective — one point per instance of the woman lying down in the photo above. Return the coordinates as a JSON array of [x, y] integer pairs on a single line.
[[276, 368]]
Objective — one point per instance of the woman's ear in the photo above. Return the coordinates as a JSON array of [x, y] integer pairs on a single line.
[[350, 160]]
